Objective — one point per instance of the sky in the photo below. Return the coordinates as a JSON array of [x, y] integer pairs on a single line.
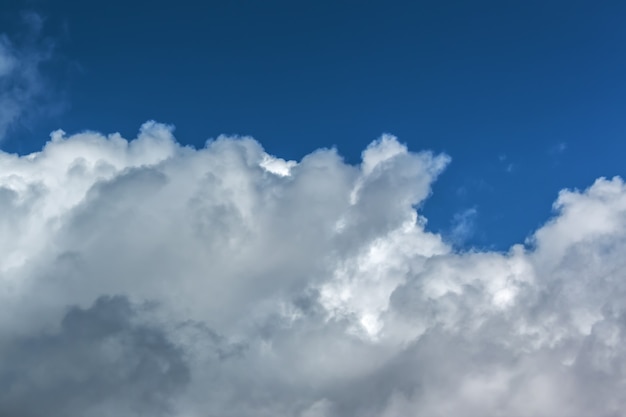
[[312, 209]]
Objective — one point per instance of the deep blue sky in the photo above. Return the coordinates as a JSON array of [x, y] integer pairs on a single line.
[[527, 97]]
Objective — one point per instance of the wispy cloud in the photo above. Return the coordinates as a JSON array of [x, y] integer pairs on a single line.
[[509, 166], [146, 278], [559, 148], [463, 226], [23, 88]]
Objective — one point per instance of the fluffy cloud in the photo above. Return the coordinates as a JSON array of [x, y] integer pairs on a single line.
[[99, 359], [146, 278]]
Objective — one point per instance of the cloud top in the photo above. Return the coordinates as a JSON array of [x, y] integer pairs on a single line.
[[143, 277]]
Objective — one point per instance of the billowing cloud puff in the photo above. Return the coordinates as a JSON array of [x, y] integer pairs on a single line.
[[146, 278]]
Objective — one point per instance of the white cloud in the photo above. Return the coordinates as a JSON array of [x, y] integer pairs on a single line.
[[143, 277], [277, 166]]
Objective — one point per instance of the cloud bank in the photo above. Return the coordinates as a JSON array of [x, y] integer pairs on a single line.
[[146, 278]]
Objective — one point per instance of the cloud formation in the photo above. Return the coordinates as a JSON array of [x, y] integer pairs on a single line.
[[146, 278], [99, 360]]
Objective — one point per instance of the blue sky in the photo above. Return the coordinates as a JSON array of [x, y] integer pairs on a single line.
[[238, 265], [526, 97]]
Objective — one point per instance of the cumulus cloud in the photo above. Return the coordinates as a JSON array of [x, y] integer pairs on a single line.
[[146, 278], [99, 362]]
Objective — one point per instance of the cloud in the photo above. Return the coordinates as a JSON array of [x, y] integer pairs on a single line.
[[100, 362], [559, 148], [23, 89], [463, 226], [144, 277]]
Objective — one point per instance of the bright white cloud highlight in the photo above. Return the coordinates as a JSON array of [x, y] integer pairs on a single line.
[[146, 278]]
